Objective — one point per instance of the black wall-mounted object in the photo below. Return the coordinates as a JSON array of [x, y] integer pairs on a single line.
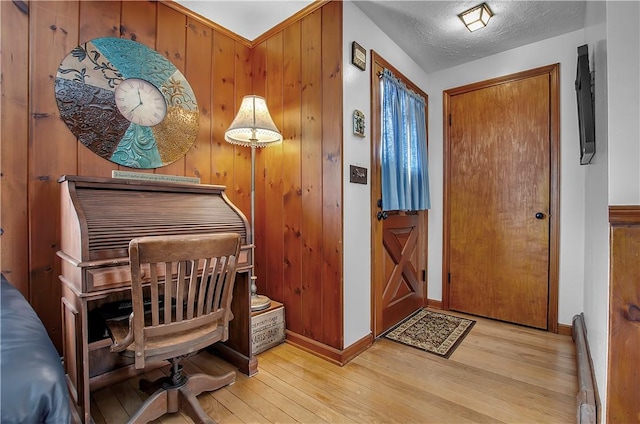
[[586, 112], [357, 174]]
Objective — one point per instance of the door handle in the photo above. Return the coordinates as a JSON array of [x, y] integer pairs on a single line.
[[539, 215], [381, 215]]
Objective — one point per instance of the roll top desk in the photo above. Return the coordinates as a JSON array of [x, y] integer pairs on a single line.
[[99, 217]]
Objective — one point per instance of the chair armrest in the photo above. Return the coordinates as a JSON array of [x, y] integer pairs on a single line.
[[121, 344]]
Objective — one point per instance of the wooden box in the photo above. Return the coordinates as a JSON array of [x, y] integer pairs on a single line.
[[267, 327]]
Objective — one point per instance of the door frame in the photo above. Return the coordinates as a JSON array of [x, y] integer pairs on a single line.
[[554, 180], [377, 248]]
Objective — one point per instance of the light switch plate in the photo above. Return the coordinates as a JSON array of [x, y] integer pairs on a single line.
[[357, 174]]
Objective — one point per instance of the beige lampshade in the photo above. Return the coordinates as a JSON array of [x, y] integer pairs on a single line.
[[476, 17], [253, 125]]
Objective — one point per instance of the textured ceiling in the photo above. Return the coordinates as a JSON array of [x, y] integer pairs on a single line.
[[429, 31], [434, 37]]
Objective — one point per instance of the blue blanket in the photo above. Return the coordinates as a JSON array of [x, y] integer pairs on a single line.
[[33, 385]]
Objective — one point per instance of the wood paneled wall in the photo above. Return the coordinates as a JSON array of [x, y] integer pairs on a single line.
[[623, 375], [302, 181], [299, 182], [297, 68]]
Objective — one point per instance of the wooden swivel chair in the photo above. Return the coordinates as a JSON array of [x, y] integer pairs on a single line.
[[171, 321]]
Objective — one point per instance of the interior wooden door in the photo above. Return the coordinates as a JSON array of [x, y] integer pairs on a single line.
[[399, 240], [499, 200]]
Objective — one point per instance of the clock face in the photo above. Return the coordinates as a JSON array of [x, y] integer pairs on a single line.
[[140, 102], [127, 103]]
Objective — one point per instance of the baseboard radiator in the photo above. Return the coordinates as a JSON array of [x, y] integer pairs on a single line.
[[587, 398]]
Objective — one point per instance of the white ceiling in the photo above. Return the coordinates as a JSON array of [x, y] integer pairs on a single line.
[[247, 18], [429, 31]]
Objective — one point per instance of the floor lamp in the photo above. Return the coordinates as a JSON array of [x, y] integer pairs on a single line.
[[253, 127]]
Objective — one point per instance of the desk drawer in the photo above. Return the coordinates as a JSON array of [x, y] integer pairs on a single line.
[[119, 276], [107, 277], [244, 260]]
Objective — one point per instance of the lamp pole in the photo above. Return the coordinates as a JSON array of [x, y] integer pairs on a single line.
[[258, 302]]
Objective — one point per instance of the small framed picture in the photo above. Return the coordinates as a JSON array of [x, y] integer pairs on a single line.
[[358, 56], [358, 123]]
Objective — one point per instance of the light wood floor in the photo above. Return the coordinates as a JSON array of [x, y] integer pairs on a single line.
[[500, 373]]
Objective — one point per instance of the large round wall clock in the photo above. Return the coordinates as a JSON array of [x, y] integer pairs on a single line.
[[127, 103]]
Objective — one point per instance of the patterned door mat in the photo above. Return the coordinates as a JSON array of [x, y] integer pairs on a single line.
[[432, 332]]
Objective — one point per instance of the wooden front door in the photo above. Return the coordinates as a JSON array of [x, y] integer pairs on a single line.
[[399, 240], [499, 199], [401, 289]]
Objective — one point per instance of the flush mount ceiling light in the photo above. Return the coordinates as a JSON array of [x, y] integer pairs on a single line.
[[476, 17]]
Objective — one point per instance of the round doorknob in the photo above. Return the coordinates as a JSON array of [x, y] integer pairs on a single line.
[[539, 215]]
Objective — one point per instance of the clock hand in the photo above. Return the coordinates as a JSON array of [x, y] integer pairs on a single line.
[[139, 102]]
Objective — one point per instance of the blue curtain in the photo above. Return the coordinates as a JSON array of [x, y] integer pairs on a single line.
[[405, 172]]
